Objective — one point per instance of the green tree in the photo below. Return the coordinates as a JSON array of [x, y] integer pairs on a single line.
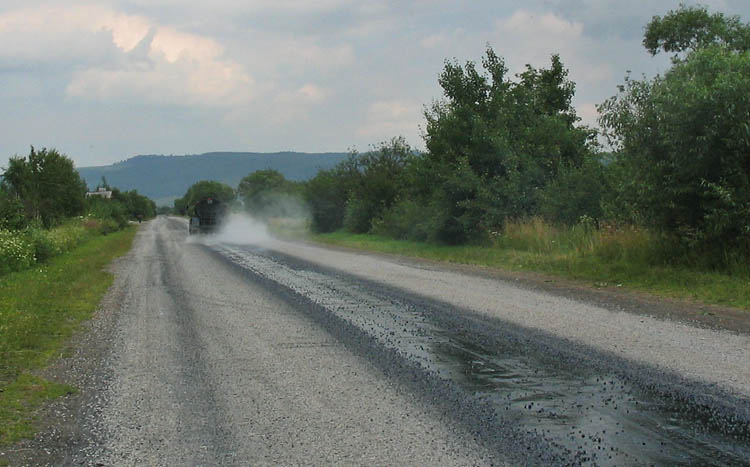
[[494, 143], [682, 144], [164, 210], [12, 215], [360, 189], [180, 206], [137, 207], [575, 192], [203, 189], [47, 184], [326, 195], [690, 28], [266, 194], [109, 210], [261, 189], [378, 185]]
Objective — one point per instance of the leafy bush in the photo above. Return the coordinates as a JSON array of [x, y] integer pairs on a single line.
[[44, 246], [48, 184], [407, 220], [258, 189], [107, 226], [267, 195], [12, 215], [21, 249], [16, 251], [202, 189], [359, 189], [110, 212], [326, 195], [357, 216], [54, 242], [493, 143], [682, 139], [463, 205], [576, 192], [381, 180], [135, 206]]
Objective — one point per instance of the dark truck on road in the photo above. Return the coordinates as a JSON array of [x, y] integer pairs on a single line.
[[206, 215]]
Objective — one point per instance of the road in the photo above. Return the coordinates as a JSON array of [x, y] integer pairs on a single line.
[[241, 350]]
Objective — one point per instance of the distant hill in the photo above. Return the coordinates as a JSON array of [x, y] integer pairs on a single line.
[[165, 178]]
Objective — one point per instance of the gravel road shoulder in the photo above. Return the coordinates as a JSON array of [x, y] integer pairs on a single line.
[[188, 363]]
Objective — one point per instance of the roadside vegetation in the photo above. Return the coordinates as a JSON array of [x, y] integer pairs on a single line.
[[40, 308], [202, 189], [510, 178], [54, 245], [44, 210]]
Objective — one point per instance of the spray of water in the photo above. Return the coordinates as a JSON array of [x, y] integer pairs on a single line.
[[238, 229], [286, 213]]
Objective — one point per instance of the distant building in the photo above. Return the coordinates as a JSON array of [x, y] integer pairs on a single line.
[[101, 192]]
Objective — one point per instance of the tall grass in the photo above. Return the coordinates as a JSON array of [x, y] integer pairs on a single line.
[[603, 255], [610, 242], [21, 249]]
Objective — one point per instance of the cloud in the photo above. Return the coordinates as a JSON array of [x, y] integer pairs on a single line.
[[271, 74], [441, 40], [102, 46], [173, 45], [39, 30], [545, 27], [296, 105], [127, 30], [388, 118], [305, 54], [528, 37], [309, 93], [181, 69], [182, 82], [297, 5], [63, 36]]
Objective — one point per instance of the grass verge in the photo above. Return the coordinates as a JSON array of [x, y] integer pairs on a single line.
[[40, 308], [615, 260]]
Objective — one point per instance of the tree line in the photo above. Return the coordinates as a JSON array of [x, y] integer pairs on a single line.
[[44, 190], [499, 147]]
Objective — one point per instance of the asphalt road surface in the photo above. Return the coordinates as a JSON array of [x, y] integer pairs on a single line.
[[240, 350]]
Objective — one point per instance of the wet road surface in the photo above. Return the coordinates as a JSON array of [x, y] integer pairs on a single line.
[[586, 408], [210, 368], [275, 353]]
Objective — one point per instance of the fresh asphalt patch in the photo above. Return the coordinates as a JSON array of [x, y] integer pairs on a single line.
[[518, 390]]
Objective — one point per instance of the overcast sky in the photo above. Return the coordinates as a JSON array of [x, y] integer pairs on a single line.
[[102, 81]]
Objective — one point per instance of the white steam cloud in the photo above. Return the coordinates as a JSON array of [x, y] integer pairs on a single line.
[[239, 229]]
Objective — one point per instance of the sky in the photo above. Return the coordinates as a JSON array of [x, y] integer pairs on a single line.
[[104, 80]]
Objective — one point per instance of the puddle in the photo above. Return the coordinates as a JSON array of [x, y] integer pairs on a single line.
[[598, 418]]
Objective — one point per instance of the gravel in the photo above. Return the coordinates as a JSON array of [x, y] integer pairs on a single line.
[[282, 354], [715, 357], [517, 382], [197, 365]]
